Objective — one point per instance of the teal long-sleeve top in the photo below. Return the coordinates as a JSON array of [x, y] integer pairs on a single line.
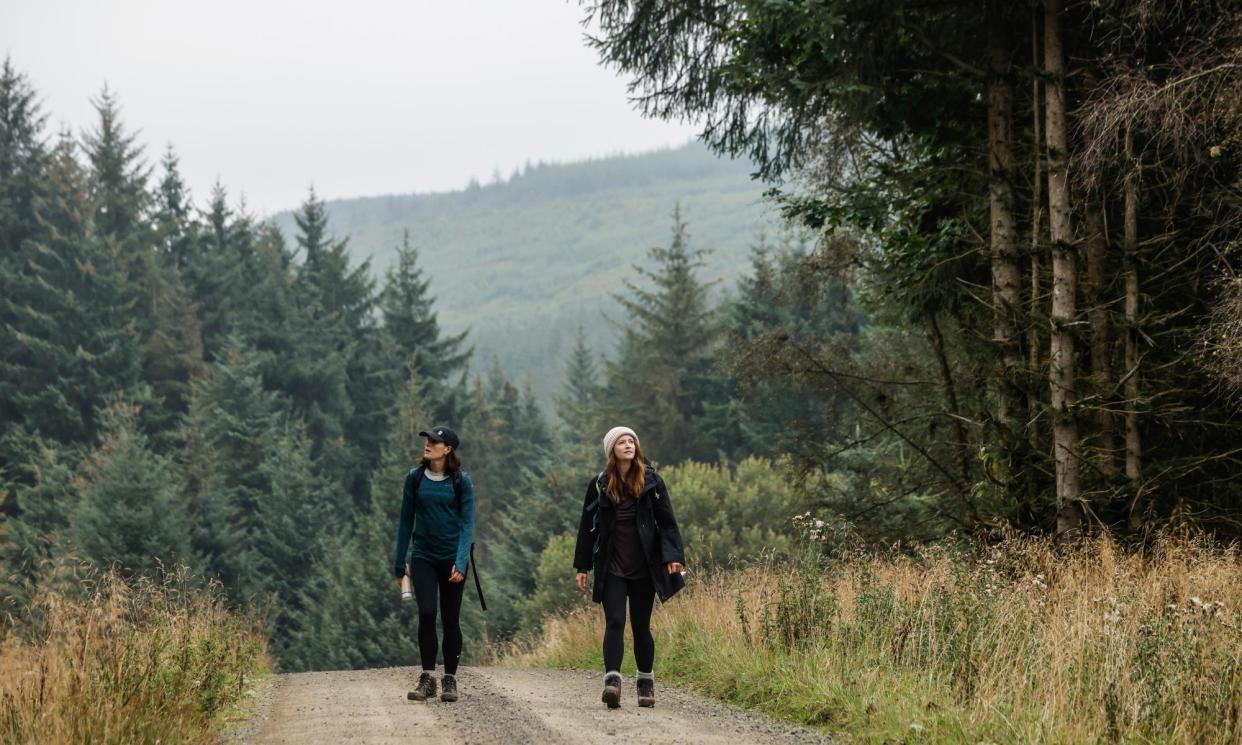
[[440, 532]]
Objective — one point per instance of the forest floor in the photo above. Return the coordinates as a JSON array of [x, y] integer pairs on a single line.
[[497, 705]]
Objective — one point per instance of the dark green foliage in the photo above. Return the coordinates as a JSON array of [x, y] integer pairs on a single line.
[[411, 329], [69, 343], [662, 379], [791, 298], [131, 511], [23, 156]]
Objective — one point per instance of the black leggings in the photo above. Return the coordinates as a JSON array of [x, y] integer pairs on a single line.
[[641, 594], [431, 578]]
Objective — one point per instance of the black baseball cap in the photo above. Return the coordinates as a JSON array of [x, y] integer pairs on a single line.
[[442, 434]]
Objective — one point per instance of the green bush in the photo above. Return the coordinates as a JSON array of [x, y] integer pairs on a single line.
[[731, 515], [554, 592]]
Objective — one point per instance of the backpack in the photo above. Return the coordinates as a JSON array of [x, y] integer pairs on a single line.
[[457, 490]]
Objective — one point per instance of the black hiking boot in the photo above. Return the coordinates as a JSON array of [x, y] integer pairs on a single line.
[[426, 688], [612, 691], [646, 692], [448, 685]]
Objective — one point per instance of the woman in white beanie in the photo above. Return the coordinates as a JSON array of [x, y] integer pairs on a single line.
[[628, 538]]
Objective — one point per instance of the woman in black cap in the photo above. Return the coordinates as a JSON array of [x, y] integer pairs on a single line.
[[437, 509], [628, 538]]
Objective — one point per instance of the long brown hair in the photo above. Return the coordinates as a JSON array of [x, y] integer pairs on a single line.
[[632, 485], [452, 464]]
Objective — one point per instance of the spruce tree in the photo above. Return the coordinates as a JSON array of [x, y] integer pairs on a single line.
[[69, 341], [23, 161], [132, 512], [23, 156], [358, 619], [411, 328], [118, 174], [230, 433], [662, 380]]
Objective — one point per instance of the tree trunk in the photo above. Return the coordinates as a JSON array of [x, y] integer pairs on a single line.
[[1097, 318], [1033, 346], [955, 411], [1134, 450], [1064, 282], [1006, 273]]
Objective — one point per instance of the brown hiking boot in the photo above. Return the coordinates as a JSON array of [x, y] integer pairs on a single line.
[[612, 691], [448, 684], [426, 688], [646, 692]]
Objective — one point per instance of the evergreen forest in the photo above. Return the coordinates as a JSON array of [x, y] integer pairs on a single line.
[[983, 283]]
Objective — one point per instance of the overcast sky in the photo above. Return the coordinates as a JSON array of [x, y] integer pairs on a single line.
[[359, 98]]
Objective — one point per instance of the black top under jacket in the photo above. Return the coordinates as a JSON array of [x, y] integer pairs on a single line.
[[657, 534]]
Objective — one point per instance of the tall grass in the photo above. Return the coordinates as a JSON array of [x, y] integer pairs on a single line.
[[1018, 642], [126, 662]]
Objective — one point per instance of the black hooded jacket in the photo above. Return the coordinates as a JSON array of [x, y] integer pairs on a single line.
[[657, 531]]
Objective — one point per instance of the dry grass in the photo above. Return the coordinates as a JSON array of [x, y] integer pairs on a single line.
[[1018, 642], [127, 662]]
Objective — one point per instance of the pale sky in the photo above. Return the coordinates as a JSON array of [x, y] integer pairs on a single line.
[[358, 98]]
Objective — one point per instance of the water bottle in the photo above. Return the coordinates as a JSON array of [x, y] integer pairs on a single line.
[[407, 587]]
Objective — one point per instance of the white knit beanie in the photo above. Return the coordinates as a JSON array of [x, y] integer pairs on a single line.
[[614, 434]]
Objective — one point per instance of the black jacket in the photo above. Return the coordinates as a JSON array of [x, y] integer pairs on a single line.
[[657, 531]]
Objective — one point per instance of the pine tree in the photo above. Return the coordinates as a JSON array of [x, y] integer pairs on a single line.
[[23, 160], [578, 406], [787, 298], [293, 520], [410, 325], [230, 432], [357, 618], [118, 175], [329, 376], [23, 156], [122, 216], [132, 511], [69, 342], [662, 379]]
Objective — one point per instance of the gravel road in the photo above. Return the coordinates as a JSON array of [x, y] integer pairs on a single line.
[[498, 705]]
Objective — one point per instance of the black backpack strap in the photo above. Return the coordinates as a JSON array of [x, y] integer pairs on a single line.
[[477, 586], [457, 490], [418, 479]]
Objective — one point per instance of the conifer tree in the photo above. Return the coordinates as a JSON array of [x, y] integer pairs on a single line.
[[68, 343], [410, 324], [23, 156], [293, 520], [358, 619], [332, 341], [662, 379], [578, 406], [122, 212], [230, 433], [132, 512], [118, 175]]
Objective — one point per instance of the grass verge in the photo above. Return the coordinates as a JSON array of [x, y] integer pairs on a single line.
[[126, 661], [1017, 642]]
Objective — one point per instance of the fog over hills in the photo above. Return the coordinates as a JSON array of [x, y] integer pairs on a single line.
[[524, 261]]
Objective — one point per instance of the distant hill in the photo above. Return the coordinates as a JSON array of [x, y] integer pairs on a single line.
[[524, 262]]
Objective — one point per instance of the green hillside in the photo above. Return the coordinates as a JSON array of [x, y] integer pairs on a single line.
[[523, 262]]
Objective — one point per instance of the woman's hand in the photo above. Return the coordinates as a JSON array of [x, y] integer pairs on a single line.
[[399, 582], [456, 576], [580, 580], [674, 567]]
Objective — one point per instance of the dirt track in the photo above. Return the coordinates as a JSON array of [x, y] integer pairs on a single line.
[[498, 705]]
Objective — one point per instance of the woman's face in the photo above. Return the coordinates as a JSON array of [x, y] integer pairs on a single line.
[[435, 450], [625, 447]]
